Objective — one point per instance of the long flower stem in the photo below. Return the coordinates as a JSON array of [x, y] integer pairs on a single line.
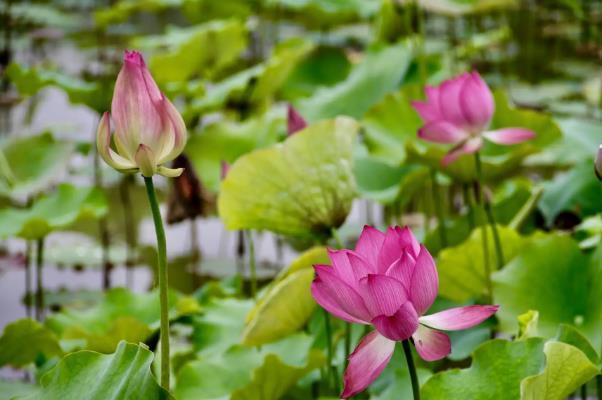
[[479, 196], [162, 275], [499, 255], [39, 282], [28, 291], [328, 331], [412, 368], [438, 209], [252, 267]]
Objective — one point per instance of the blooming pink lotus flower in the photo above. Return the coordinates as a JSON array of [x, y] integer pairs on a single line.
[[388, 281], [295, 121], [149, 131], [459, 112]]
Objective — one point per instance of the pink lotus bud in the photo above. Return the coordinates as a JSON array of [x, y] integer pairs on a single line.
[[295, 121], [459, 112], [149, 131], [598, 164]]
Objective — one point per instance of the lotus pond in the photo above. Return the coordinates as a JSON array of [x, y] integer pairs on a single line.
[[301, 199]]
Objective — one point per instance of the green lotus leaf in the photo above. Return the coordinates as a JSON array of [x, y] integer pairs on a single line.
[[496, 372], [228, 140], [380, 72], [30, 81], [567, 368], [552, 276], [239, 372], [257, 84], [180, 57], [287, 303], [462, 273], [24, 340], [32, 163], [125, 374], [120, 315], [391, 123], [53, 212], [322, 14], [302, 188], [462, 7], [10, 390], [577, 190]]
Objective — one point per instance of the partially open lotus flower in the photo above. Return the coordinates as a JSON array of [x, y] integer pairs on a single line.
[[149, 131], [388, 281], [459, 112]]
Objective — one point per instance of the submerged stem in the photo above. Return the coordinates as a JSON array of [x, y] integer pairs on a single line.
[[162, 275], [252, 267], [39, 282], [412, 368]]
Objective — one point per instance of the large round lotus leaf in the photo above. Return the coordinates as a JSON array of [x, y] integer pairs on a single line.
[[24, 340], [552, 276], [56, 211], [121, 315], [567, 368], [380, 72], [122, 375], [32, 164], [303, 187], [264, 373], [287, 303], [461, 268], [498, 161], [496, 372]]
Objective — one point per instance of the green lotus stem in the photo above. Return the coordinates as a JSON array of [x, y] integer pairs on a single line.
[[489, 214], [584, 391], [328, 330], [522, 215], [479, 199], [39, 283], [28, 246], [162, 275], [412, 368], [252, 267], [438, 209], [468, 202], [599, 384]]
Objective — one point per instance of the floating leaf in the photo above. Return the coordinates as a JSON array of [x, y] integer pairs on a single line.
[[24, 340], [303, 187], [567, 368], [462, 273], [34, 163], [56, 211], [287, 303], [552, 276], [120, 315], [124, 374], [240, 371], [380, 72], [505, 363]]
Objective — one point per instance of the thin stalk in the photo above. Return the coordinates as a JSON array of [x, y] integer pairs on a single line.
[[28, 265], [479, 195], [412, 368], [252, 267], [438, 209], [39, 282], [599, 384], [468, 202], [162, 275], [328, 330], [499, 254], [584, 391]]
